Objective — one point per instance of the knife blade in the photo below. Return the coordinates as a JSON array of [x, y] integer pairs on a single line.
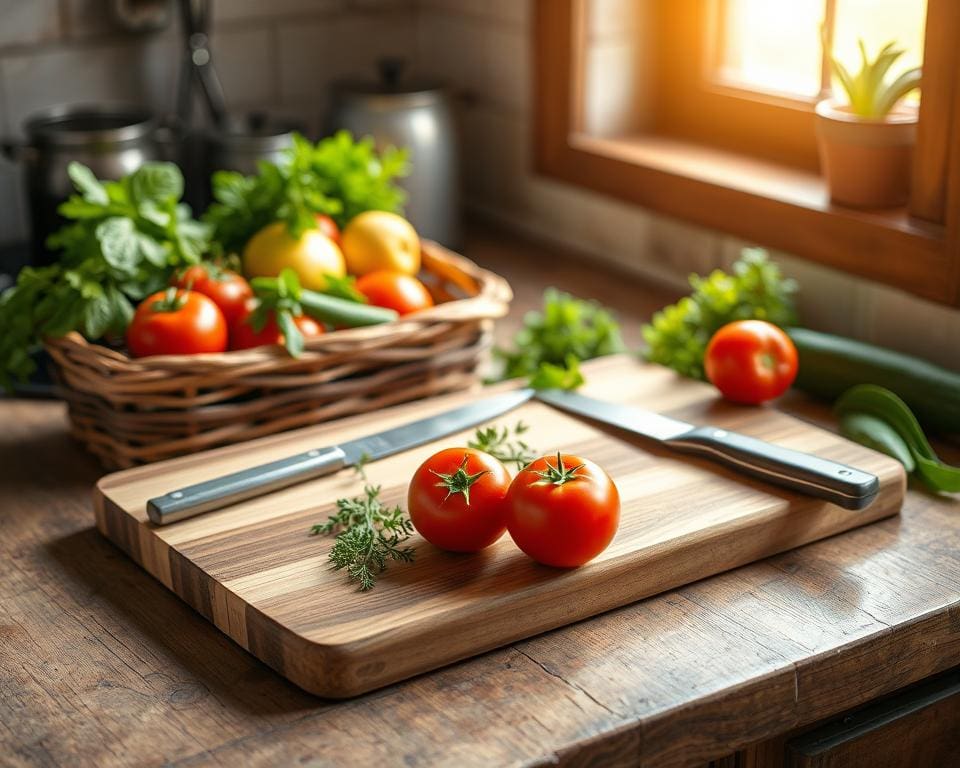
[[843, 485], [265, 478]]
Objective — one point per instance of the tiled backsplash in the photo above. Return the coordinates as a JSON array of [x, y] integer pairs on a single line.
[[280, 55]]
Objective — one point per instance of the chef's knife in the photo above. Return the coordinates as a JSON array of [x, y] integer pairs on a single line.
[[264, 478], [845, 486]]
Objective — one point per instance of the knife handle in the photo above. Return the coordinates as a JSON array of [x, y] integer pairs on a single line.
[[245, 484], [845, 486]]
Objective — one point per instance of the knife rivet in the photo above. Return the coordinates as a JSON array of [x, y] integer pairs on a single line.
[[176, 495], [313, 453], [720, 433]]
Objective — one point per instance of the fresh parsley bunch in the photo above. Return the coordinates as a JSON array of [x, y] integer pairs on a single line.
[[338, 176], [757, 290], [126, 239], [553, 341]]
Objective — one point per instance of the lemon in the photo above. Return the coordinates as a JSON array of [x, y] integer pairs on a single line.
[[375, 240], [311, 256]]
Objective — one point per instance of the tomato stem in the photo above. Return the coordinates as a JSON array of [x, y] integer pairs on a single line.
[[173, 299], [459, 481], [557, 475]]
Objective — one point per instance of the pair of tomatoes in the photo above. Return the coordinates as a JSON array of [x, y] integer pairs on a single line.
[[560, 510], [206, 310], [193, 316]]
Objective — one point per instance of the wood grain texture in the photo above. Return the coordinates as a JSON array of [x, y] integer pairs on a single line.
[[252, 570], [100, 665]]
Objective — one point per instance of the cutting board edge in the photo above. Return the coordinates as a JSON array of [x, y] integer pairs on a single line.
[[302, 660]]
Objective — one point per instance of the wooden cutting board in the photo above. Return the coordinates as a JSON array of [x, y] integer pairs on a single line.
[[253, 570]]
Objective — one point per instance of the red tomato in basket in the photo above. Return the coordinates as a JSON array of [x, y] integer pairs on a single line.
[[227, 289], [395, 290], [751, 361], [457, 499], [243, 336], [562, 510], [176, 322]]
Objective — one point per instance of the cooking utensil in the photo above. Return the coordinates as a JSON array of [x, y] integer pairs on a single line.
[[198, 63], [419, 116], [845, 486], [110, 140], [264, 478]]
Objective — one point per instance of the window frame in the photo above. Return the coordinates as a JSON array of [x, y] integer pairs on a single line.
[[916, 249]]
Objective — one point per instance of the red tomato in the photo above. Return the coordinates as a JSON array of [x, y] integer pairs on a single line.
[[395, 290], [176, 322], [328, 227], [562, 510], [456, 499], [228, 290], [751, 361], [242, 335]]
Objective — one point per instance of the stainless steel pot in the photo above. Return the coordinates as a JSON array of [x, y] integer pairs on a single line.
[[111, 141], [419, 116], [244, 141]]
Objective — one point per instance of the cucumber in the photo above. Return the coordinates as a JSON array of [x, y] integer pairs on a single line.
[[830, 365], [343, 313]]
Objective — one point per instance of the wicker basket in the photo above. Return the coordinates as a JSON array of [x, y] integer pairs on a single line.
[[131, 411]]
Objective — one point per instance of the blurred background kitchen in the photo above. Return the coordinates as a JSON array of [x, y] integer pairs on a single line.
[[279, 60]]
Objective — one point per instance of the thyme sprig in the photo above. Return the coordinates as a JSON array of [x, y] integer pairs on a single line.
[[504, 444], [369, 534]]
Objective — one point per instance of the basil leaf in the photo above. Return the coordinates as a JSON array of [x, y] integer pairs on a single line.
[[87, 184], [97, 317], [156, 182], [118, 243]]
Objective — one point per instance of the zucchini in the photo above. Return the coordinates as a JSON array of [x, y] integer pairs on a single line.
[[830, 365], [342, 313]]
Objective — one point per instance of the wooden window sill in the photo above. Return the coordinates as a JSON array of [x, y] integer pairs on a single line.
[[760, 201]]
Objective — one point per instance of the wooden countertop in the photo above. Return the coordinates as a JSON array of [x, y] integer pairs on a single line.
[[100, 665]]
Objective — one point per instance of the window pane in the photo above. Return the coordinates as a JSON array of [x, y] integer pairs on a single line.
[[771, 46], [878, 22]]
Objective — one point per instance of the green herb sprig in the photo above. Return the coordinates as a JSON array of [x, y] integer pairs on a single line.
[[126, 240], [368, 535], [504, 443], [338, 176], [553, 341], [757, 290]]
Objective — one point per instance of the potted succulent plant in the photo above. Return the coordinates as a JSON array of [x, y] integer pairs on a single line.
[[866, 144]]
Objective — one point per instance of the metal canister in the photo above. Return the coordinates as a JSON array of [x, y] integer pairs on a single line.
[[111, 141], [419, 116]]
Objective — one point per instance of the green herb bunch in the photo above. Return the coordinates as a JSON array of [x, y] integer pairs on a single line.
[[126, 239], [678, 334], [504, 443], [338, 176], [369, 535], [553, 341]]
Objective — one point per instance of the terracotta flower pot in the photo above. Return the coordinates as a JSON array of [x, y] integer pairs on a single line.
[[866, 162]]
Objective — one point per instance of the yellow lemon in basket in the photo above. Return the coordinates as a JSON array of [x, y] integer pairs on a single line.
[[311, 256], [375, 240]]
